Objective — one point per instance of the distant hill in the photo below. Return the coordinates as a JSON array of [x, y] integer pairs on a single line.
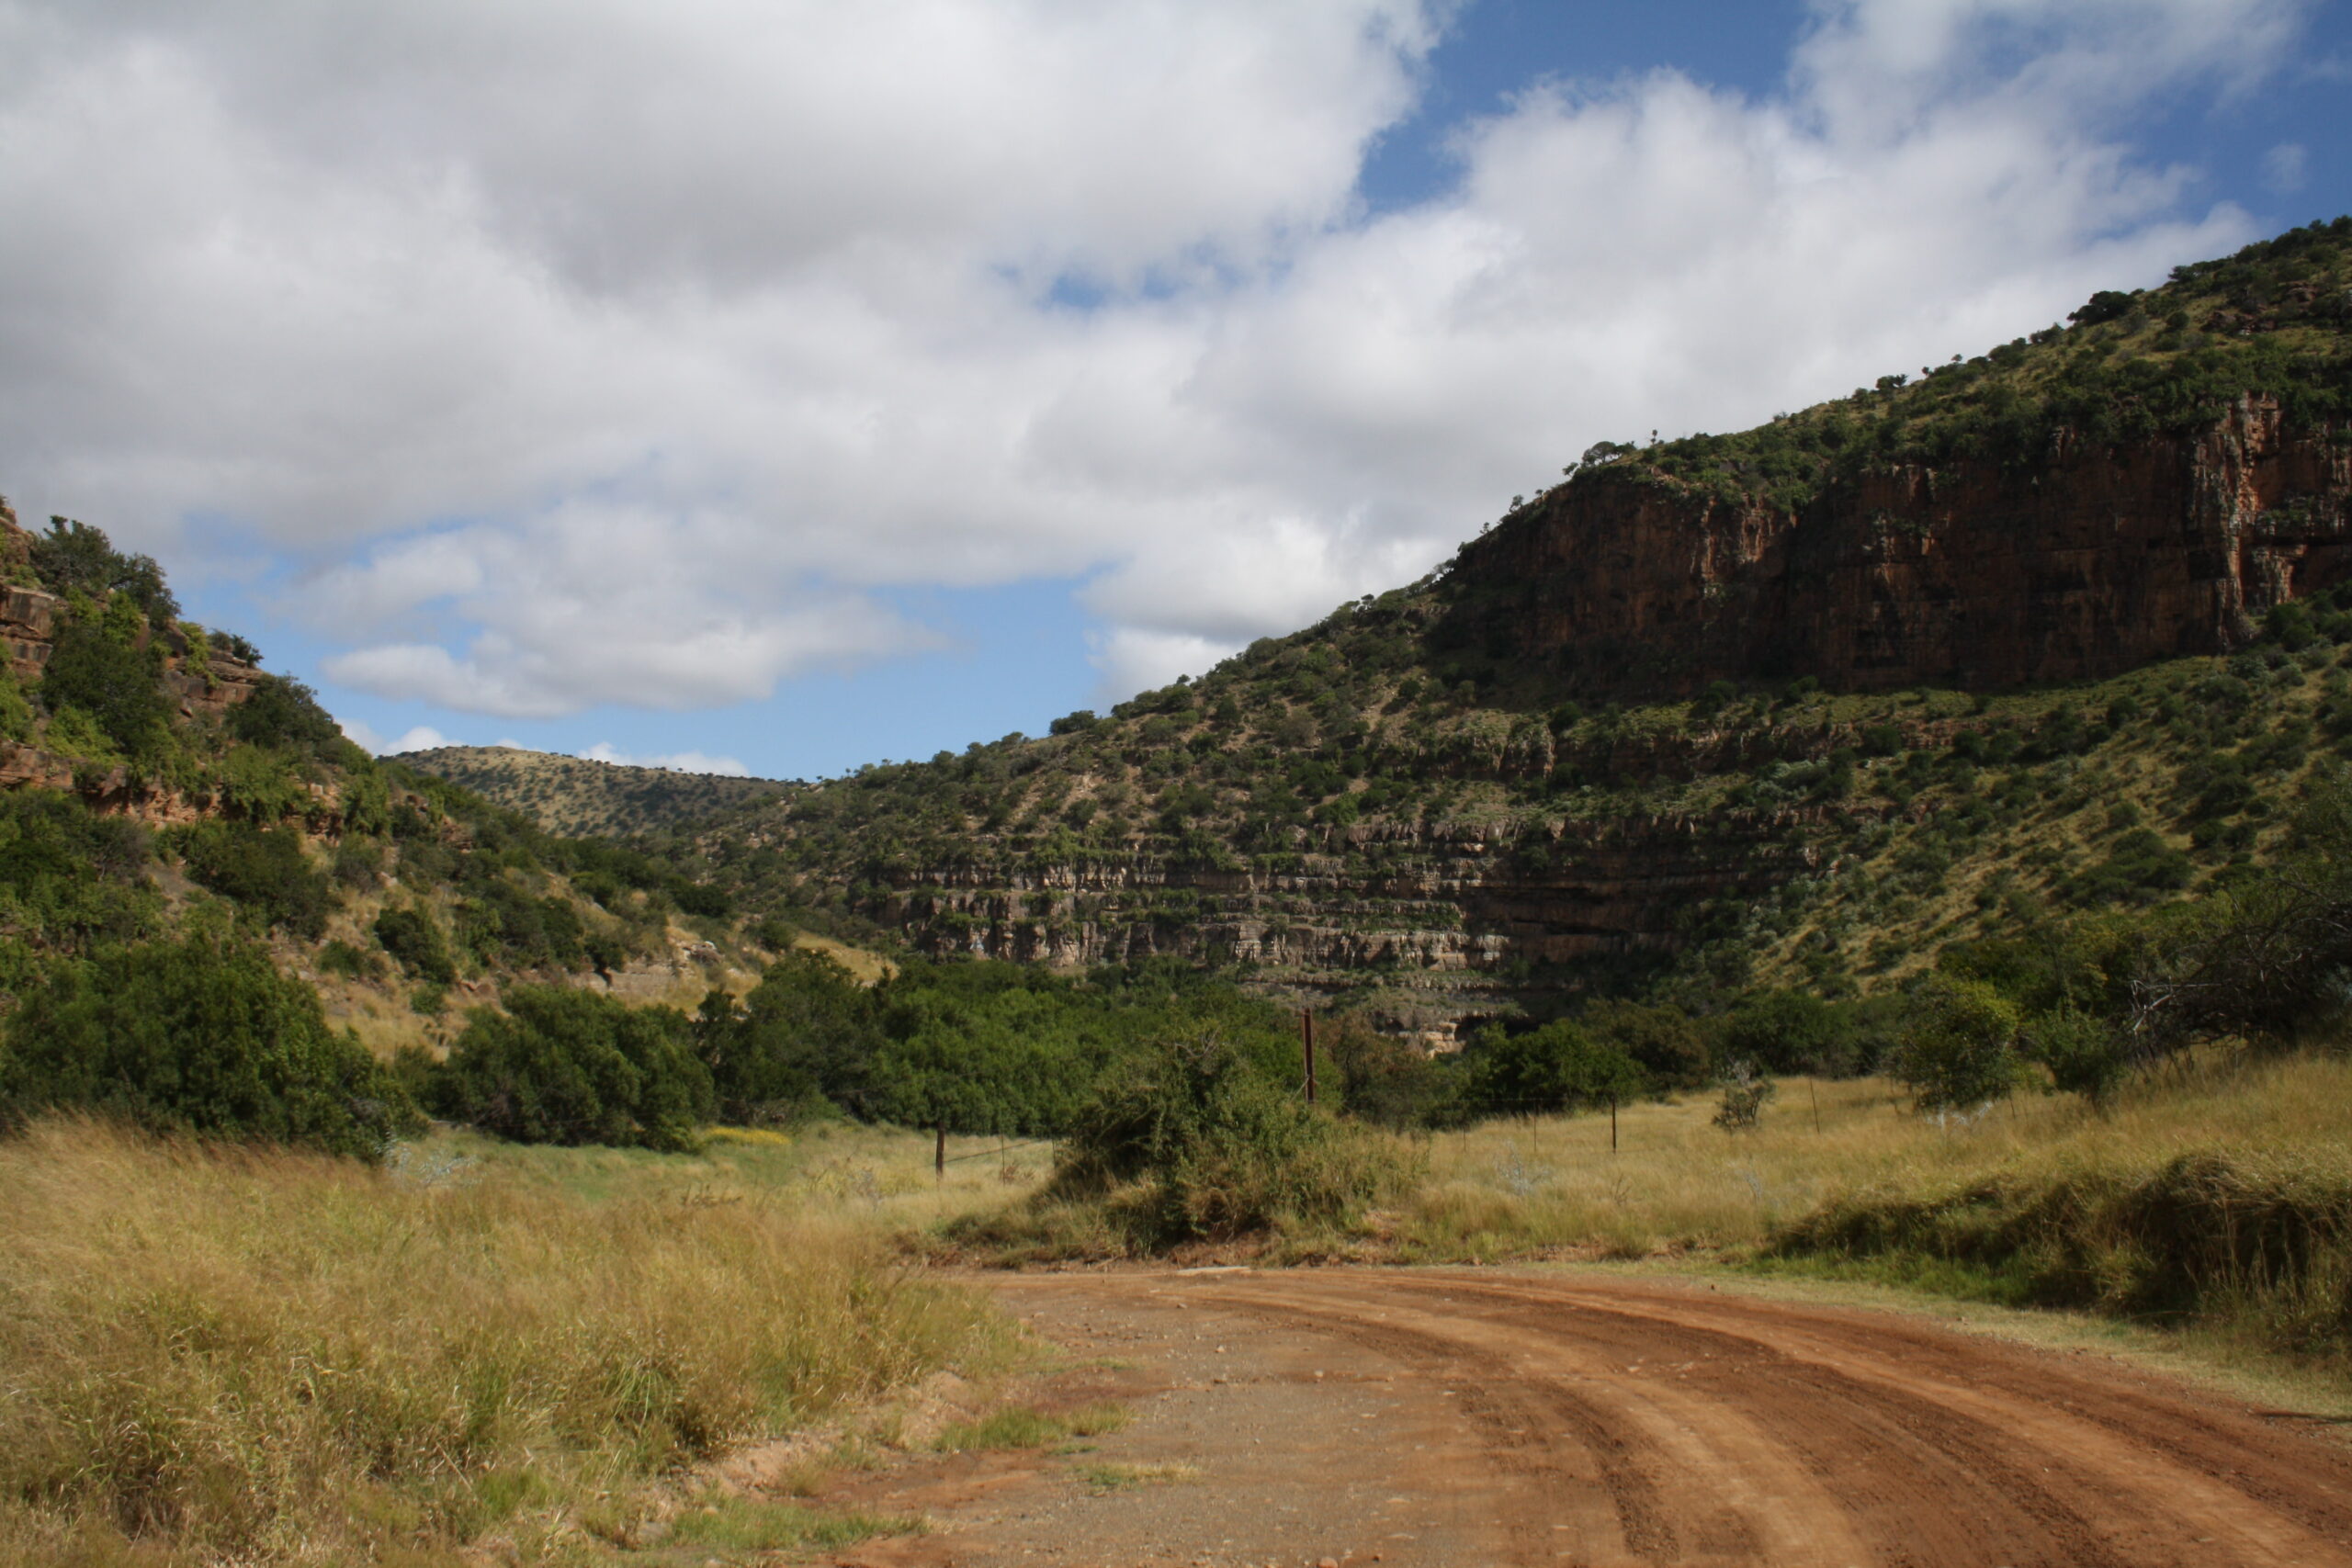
[[580, 798]]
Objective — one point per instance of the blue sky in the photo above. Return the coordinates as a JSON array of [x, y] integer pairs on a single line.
[[800, 442]]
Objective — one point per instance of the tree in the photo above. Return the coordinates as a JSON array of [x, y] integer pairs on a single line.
[[96, 666], [1959, 1045], [806, 1035], [1667, 1042], [1790, 1031], [75, 558], [200, 1035], [1556, 1067], [566, 1067]]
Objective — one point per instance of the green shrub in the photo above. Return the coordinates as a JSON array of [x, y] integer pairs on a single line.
[[1213, 1149], [264, 869], [75, 558], [503, 924], [565, 1067], [70, 877], [1384, 1080], [197, 1036], [95, 668], [2138, 867], [1667, 1044], [285, 713], [339, 958], [1745, 1093], [413, 939], [15, 713]]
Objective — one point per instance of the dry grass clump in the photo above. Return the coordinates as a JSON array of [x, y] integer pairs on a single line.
[[219, 1355]]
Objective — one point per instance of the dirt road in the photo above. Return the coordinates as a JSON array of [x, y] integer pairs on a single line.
[[1483, 1416]]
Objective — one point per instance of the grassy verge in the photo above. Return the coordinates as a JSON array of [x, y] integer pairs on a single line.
[[2218, 1199], [259, 1357]]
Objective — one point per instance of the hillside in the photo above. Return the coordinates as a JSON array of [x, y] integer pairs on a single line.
[[156, 783], [2045, 629], [576, 797]]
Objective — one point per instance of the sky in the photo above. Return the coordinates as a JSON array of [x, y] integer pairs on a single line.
[[781, 386]]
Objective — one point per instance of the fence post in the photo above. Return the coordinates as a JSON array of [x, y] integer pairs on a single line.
[[1307, 1045]]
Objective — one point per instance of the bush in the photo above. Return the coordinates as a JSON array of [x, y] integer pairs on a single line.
[[69, 876], [2140, 866], [1745, 1093], [1665, 1043], [95, 668], [262, 869], [1217, 1149], [201, 1037], [1384, 1080], [2086, 1054], [566, 1067], [75, 558], [339, 958], [413, 939], [286, 713]]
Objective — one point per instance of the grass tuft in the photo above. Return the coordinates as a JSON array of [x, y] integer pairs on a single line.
[[1022, 1427]]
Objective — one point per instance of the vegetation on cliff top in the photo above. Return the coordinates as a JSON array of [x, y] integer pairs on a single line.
[[2274, 320]]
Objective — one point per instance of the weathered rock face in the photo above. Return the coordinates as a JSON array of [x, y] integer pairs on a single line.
[[1437, 912], [2104, 560]]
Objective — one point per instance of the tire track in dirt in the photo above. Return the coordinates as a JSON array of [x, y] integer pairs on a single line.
[[1564, 1418]]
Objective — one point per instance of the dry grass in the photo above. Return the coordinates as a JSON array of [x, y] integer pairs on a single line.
[[1677, 1182], [218, 1356], [876, 1179]]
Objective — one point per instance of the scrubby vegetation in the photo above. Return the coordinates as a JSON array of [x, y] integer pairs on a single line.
[[224, 1356], [581, 799]]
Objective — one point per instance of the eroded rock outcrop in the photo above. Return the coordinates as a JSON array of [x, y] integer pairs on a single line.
[[2094, 562]]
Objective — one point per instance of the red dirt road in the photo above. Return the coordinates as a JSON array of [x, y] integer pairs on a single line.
[[1482, 1416]]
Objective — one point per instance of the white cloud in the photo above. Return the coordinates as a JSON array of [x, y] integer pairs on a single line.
[[2285, 167], [597, 353], [676, 762], [422, 738]]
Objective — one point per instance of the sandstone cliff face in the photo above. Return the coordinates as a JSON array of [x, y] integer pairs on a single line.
[[1442, 913], [2102, 559]]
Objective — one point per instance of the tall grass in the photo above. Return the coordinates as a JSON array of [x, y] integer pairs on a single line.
[[2218, 1194], [216, 1355]]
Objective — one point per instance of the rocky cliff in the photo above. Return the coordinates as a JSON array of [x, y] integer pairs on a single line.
[[2097, 560]]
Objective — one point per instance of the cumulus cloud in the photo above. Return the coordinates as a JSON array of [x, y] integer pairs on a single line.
[[676, 762], [420, 738], [595, 353]]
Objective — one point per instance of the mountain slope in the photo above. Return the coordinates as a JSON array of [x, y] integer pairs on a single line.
[[155, 782], [1831, 627]]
